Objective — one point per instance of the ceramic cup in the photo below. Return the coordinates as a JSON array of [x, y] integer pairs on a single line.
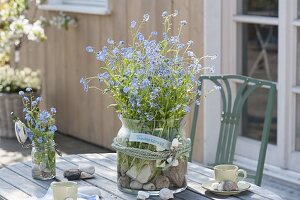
[[229, 172], [64, 190]]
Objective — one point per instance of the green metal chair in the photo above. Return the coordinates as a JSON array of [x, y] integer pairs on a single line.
[[231, 113]]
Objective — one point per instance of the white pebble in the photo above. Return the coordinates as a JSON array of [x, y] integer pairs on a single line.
[[142, 195], [166, 194]]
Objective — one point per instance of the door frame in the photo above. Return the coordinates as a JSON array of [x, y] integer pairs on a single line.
[[221, 38]]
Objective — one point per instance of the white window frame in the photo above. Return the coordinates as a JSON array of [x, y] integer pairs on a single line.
[[95, 7]]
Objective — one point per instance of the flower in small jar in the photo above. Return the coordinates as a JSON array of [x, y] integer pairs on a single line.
[[40, 126]]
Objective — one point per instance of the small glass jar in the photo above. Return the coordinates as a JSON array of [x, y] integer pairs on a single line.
[[43, 161]]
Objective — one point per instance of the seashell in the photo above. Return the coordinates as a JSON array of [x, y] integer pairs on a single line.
[[166, 194], [169, 160], [175, 143], [220, 186], [142, 195], [230, 186], [227, 186]]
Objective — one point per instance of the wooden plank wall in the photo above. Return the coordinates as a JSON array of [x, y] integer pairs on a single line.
[[63, 61]]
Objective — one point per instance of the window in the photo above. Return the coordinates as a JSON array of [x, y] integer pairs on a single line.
[[258, 45], [297, 87], [261, 39], [97, 7]]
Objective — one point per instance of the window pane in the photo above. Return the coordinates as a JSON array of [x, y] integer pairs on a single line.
[[298, 96], [298, 56], [259, 7], [259, 45], [297, 123], [258, 59], [298, 3]]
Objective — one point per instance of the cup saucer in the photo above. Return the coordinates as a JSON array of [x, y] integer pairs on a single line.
[[243, 186]]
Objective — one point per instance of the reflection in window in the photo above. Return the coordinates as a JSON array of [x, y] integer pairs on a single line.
[[298, 56], [259, 47], [260, 50], [297, 123], [259, 7]]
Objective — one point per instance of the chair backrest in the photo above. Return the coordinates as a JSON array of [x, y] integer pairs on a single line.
[[231, 114]]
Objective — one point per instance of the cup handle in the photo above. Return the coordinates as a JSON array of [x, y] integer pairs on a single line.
[[244, 175]]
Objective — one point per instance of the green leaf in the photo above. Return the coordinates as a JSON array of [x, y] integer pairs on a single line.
[[162, 112]]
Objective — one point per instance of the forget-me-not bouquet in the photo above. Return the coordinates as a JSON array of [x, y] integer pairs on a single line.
[[153, 81], [39, 127]]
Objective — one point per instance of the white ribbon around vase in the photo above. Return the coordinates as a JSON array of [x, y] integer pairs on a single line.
[[150, 139]]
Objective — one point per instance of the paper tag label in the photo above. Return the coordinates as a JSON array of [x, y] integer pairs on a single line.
[[150, 139]]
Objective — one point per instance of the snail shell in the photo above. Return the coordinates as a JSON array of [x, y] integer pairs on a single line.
[[227, 186], [166, 194], [230, 186]]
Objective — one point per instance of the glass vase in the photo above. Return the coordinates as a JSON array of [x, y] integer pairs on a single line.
[[151, 156], [43, 161]]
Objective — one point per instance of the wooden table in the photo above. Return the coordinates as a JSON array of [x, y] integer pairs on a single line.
[[16, 182]]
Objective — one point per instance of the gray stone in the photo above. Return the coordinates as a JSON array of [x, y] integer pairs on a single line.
[[72, 174], [87, 168], [149, 186], [177, 174], [136, 185], [132, 172], [124, 181], [144, 174], [162, 182], [123, 169]]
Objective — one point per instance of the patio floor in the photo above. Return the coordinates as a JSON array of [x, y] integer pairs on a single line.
[[11, 152]]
